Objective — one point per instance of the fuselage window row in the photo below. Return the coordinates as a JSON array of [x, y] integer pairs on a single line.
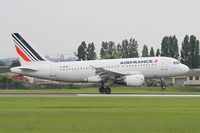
[[66, 68]]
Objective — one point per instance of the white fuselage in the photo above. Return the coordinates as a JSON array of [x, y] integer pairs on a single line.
[[81, 71]]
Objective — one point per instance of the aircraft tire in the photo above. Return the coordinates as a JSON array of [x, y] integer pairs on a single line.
[[163, 87], [102, 90], [107, 90]]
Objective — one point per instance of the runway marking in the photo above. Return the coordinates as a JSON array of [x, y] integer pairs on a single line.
[[136, 95], [98, 95]]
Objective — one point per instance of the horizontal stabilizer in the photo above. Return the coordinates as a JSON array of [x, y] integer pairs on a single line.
[[28, 69]]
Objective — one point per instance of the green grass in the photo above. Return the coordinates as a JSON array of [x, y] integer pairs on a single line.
[[138, 90], [99, 115]]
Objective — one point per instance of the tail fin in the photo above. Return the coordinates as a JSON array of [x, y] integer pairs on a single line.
[[26, 53]]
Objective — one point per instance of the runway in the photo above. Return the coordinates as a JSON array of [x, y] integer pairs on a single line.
[[96, 95]]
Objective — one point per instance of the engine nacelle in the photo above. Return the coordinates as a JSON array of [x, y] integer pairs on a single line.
[[134, 80]]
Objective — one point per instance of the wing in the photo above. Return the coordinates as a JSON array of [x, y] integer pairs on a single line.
[[106, 74]]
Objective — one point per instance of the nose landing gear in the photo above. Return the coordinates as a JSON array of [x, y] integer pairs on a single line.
[[162, 85]]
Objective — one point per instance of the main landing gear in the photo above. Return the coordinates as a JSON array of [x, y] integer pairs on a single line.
[[162, 85], [104, 89]]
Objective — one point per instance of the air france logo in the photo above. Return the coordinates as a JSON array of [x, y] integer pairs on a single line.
[[138, 62]]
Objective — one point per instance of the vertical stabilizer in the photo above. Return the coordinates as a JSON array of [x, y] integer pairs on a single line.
[[27, 54]]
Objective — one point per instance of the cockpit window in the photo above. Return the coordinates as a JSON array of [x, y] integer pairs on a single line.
[[176, 62]]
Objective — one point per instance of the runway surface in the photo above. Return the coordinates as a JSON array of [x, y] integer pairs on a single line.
[[96, 95]]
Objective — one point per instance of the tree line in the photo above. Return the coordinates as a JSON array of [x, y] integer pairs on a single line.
[[128, 48]]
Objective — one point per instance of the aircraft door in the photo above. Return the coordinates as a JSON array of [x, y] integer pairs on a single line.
[[164, 66]]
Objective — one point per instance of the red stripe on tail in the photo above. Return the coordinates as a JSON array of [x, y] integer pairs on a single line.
[[22, 54]]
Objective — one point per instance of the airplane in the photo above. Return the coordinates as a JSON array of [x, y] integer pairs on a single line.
[[128, 71]]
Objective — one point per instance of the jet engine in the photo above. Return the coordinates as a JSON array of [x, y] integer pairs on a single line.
[[134, 80]]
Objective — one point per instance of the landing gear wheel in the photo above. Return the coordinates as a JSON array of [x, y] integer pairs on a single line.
[[101, 89], [107, 90], [104, 89], [163, 87]]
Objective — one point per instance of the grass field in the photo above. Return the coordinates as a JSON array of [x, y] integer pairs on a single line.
[[99, 115], [138, 90]]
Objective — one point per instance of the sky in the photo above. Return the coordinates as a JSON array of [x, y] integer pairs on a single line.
[[59, 26]]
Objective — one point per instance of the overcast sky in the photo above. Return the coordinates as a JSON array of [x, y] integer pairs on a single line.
[[59, 26]]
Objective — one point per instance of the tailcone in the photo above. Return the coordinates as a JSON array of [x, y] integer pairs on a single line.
[[15, 70]]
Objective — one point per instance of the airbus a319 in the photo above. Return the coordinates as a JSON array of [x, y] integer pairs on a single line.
[[128, 71]]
